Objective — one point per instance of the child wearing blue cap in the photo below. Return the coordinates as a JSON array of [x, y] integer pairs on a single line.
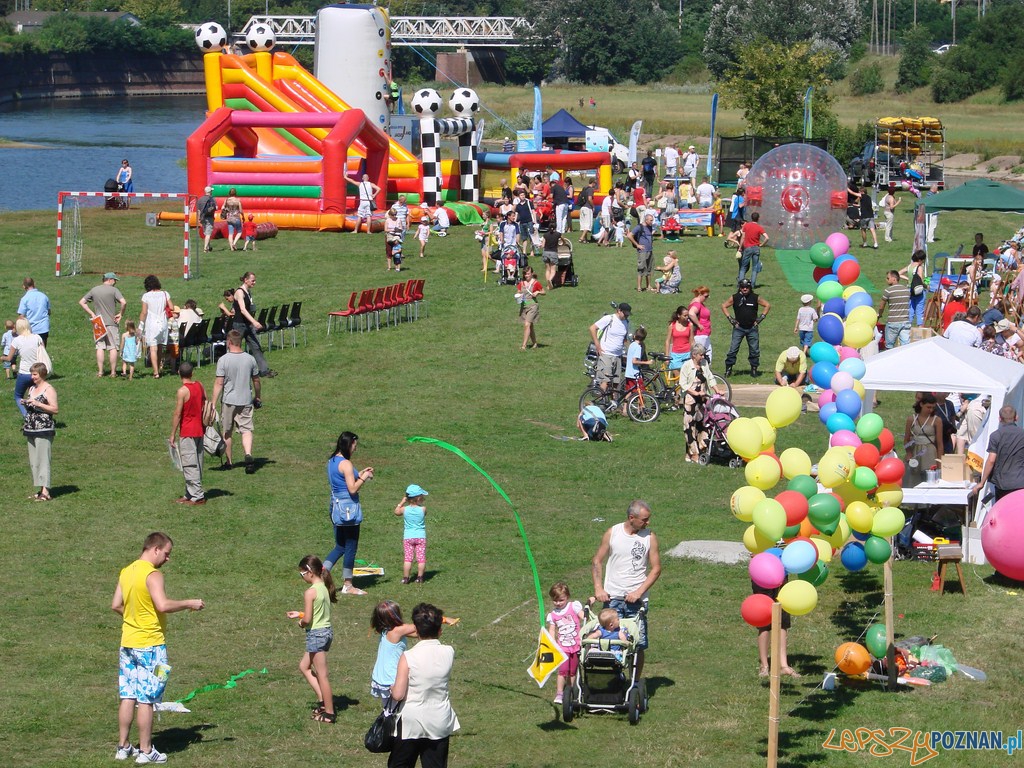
[[415, 539]]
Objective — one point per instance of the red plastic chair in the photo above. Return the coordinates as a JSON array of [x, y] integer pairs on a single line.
[[400, 300], [365, 307], [348, 313], [418, 300], [378, 305], [388, 303]]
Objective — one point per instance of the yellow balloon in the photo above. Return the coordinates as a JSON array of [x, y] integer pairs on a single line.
[[795, 461], [889, 495], [849, 493], [744, 437], [860, 516], [770, 519], [859, 388], [783, 407], [888, 522], [744, 500], [755, 541], [798, 597], [857, 335], [763, 472], [841, 534], [768, 433], [835, 467], [824, 549], [862, 314], [852, 289]]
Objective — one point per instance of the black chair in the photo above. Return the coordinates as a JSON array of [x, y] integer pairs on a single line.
[[219, 330], [197, 337], [282, 321], [295, 320], [269, 326]]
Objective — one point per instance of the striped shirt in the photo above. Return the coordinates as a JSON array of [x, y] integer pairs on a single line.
[[897, 299]]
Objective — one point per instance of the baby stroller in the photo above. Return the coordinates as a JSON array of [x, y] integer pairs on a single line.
[[113, 202], [512, 259], [566, 272], [719, 413], [606, 678]]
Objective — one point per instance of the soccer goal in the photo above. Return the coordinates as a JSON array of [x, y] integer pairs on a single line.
[[121, 232]]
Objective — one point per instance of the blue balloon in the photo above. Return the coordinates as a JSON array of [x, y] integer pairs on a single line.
[[858, 299], [853, 556], [830, 328], [840, 260], [826, 412], [777, 551], [838, 421], [854, 366], [800, 556], [848, 402], [861, 536], [822, 373], [837, 306], [828, 279], [822, 351]]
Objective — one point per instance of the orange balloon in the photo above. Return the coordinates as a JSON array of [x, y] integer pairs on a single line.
[[853, 658], [806, 529]]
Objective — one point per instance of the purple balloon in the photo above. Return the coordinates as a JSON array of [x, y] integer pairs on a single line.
[[845, 437], [826, 411], [830, 328], [839, 243], [826, 396], [848, 402]]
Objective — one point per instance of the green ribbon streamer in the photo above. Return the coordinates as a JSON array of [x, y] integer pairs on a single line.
[[232, 682], [519, 523]]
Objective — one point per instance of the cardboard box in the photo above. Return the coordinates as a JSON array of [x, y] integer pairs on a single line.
[[954, 468], [918, 332], [973, 552]]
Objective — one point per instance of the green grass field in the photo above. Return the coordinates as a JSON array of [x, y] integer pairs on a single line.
[[457, 375]]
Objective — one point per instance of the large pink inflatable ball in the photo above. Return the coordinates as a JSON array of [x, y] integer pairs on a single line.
[[1002, 535], [800, 192]]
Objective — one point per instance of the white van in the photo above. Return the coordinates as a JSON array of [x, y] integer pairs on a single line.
[[618, 150]]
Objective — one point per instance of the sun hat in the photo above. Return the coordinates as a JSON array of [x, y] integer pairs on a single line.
[[793, 353], [1003, 325], [806, 298], [111, 276], [414, 490]]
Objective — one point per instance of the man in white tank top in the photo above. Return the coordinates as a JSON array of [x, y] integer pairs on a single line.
[[634, 564]]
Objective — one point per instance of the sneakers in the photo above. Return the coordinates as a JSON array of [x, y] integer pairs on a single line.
[[754, 372], [268, 375], [145, 758], [125, 752], [558, 698], [250, 465]]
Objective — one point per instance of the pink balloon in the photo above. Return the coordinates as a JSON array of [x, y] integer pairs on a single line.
[[767, 571], [844, 437], [845, 352], [826, 396], [841, 380], [839, 243], [1002, 534]]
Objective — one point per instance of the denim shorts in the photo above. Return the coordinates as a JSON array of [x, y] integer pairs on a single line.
[[142, 673], [318, 640], [628, 610], [806, 338]]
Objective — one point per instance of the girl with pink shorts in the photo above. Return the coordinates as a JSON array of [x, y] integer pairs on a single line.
[[415, 538]]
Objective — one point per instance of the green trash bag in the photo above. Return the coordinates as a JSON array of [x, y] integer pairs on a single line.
[[938, 654], [936, 674]]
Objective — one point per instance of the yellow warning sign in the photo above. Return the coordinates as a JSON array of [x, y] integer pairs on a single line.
[[549, 657]]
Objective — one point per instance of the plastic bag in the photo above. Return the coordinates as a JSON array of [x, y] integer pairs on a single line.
[[938, 655]]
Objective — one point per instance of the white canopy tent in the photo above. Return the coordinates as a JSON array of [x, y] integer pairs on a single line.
[[940, 365]]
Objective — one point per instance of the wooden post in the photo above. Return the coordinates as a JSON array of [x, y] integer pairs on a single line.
[[890, 629], [774, 687]]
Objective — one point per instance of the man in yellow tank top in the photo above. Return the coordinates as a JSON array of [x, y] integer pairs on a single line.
[[143, 668]]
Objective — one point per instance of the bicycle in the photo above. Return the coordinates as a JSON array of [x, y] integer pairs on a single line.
[[665, 383], [641, 405]]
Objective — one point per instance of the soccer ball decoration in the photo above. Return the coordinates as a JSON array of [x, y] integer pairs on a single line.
[[426, 102], [211, 37], [260, 38], [464, 101]]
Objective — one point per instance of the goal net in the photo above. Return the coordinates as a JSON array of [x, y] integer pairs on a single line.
[[122, 232]]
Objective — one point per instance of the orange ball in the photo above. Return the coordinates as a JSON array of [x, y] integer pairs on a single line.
[[853, 658]]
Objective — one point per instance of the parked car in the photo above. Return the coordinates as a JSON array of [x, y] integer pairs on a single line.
[[943, 48]]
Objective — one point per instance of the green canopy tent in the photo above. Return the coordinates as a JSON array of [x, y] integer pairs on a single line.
[[976, 195]]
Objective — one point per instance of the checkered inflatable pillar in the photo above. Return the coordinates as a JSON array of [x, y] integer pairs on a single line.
[[431, 131]]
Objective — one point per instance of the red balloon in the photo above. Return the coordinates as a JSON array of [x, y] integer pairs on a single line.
[[886, 441], [757, 610], [889, 470], [866, 455], [848, 272], [820, 272], [795, 505]]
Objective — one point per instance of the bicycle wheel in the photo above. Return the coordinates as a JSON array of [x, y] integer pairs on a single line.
[[595, 396], [722, 384], [642, 407]]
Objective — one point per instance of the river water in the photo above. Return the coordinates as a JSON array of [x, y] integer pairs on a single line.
[[77, 144]]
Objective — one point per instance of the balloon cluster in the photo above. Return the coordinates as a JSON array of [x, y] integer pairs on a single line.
[[855, 659], [800, 531]]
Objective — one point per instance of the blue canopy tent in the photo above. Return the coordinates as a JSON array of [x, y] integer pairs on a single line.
[[561, 127]]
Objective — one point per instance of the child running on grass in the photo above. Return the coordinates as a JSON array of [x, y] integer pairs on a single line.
[[564, 624], [249, 233], [129, 349], [315, 618], [415, 538]]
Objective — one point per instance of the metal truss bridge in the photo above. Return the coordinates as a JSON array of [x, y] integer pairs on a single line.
[[426, 31]]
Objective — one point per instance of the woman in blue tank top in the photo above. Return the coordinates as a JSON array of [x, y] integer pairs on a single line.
[[346, 512]]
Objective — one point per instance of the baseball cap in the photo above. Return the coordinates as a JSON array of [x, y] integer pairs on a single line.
[[793, 353], [624, 307], [806, 298], [1003, 325], [110, 276], [415, 490], [692, 147], [959, 292]]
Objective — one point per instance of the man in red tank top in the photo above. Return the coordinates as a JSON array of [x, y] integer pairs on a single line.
[[188, 425]]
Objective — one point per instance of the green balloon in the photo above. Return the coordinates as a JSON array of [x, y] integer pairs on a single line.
[[790, 531], [804, 485], [864, 478], [829, 290], [874, 639], [877, 549], [869, 426], [822, 256], [816, 575], [823, 510]]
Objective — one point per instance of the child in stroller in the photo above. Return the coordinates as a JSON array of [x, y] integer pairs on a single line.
[[512, 259], [718, 414]]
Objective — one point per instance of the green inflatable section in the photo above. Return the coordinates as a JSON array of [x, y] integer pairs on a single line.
[[266, 190], [799, 271], [467, 213]]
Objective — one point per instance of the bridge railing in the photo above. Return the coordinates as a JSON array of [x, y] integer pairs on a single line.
[[428, 31]]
